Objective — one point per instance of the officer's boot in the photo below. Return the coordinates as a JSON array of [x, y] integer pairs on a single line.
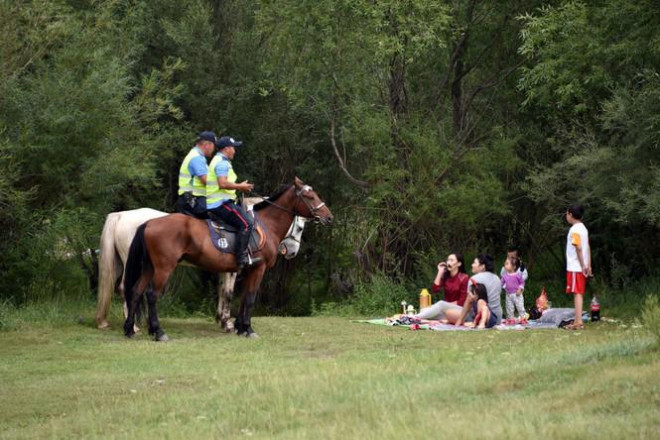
[[242, 257]]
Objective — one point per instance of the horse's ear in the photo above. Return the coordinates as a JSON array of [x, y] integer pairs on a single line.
[[298, 182]]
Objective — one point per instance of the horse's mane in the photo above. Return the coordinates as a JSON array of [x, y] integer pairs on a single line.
[[271, 198]]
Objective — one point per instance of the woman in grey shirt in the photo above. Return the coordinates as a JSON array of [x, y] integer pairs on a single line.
[[482, 268]]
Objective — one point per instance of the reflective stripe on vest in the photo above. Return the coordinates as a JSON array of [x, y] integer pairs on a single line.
[[188, 183], [213, 192]]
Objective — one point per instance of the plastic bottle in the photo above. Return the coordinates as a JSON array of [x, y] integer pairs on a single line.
[[595, 309], [424, 299]]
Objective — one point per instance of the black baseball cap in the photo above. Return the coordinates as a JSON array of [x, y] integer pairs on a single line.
[[227, 141], [207, 136]]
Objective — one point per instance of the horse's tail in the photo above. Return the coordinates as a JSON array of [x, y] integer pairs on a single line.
[[109, 269], [137, 263]]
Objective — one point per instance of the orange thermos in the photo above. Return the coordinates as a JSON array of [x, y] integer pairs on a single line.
[[424, 299]]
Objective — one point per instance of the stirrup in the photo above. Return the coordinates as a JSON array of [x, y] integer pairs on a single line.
[[251, 261]]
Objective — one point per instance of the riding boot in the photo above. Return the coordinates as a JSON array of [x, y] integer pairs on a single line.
[[242, 241]]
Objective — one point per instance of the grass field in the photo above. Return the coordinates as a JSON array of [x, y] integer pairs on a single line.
[[327, 378]]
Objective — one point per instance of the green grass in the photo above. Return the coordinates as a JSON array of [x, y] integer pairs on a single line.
[[325, 377]]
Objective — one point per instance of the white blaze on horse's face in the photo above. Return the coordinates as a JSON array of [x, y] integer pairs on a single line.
[[290, 245]]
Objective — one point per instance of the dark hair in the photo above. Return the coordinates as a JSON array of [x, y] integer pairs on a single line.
[[514, 248], [461, 268], [576, 210], [515, 262], [487, 261], [481, 291]]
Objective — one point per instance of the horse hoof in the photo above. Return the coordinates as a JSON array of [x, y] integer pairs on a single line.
[[136, 329], [227, 326], [105, 325], [252, 335], [162, 338]]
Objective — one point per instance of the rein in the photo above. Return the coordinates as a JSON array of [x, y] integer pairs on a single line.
[[312, 209]]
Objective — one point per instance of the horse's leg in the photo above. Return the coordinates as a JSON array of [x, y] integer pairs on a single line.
[[131, 309], [161, 276], [120, 289], [225, 294], [250, 286]]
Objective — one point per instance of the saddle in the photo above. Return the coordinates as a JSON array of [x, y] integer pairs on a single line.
[[223, 236]]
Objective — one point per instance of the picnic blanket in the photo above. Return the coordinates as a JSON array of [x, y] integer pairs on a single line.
[[551, 318], [414, 324]]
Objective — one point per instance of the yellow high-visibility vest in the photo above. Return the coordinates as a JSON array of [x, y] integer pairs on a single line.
[[214, 194], [188, 183]]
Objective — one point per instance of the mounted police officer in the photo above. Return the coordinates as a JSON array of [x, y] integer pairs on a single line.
[[221, 190], [192, 177]]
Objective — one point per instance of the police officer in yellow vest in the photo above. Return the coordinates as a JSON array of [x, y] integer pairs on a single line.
[[221, 190], [192, 177]]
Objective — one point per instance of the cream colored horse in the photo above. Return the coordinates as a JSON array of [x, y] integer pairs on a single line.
[[116, 238]]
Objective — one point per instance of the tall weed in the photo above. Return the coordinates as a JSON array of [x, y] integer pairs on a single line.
[[41, 313], [651, 316]]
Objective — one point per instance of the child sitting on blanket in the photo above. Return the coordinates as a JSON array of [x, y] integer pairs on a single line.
[[513, 284], [484, 317]]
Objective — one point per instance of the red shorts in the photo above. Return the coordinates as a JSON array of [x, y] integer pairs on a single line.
[[576, 283]]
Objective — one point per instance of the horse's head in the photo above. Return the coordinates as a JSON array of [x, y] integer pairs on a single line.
[[290, 245], [314, 207]]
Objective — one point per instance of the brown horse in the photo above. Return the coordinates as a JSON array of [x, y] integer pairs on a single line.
[[161, 243]]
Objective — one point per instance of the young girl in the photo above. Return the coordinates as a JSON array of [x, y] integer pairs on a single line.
[[483, 318], [513, 285]]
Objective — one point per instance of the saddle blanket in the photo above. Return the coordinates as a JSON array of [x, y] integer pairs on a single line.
[[224, 238]]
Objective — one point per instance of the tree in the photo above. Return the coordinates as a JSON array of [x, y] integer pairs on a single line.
[[594, 74]]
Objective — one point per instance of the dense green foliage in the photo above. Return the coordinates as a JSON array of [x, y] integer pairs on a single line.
[[426, 126]]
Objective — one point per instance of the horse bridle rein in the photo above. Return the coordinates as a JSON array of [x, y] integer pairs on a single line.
[[299, 196]]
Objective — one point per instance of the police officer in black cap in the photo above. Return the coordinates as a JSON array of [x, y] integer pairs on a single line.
[[221, 197], [192, 176]]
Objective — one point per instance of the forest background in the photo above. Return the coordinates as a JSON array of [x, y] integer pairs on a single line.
[[427, 127]]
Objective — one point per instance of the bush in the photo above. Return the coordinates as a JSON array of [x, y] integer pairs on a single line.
[[378, 296]]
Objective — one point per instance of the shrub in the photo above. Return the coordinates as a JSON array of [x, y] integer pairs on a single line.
[[651, 316], [378, 296]]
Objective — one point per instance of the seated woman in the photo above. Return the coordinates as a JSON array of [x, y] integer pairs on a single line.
[[483, 318], [451, 278], [482, 268]]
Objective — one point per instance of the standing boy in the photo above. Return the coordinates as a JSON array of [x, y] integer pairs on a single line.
[[578, 261]]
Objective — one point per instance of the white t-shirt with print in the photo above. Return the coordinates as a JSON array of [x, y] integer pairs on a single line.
[[577, 235]]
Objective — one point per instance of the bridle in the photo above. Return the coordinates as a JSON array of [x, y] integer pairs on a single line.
[[312, 209], [299, 197]]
